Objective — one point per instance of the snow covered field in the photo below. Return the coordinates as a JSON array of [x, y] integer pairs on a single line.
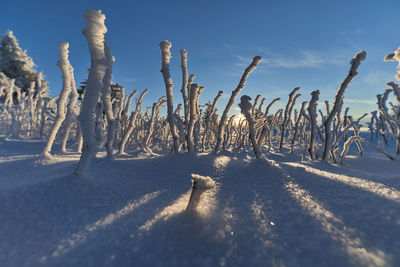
[[278, 211]]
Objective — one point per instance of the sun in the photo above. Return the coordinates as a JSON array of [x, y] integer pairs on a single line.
[[238, 119]]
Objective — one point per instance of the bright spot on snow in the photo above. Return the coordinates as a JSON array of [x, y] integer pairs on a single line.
[[78, 238], [334, 225], [373, 187], [257, 209], [336, 228], [221, 162], [176, 207], [203, 207]]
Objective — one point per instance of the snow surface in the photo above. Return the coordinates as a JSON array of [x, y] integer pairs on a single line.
[[132, 211]]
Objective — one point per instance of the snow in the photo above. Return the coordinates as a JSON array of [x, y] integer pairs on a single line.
[[133, 211]]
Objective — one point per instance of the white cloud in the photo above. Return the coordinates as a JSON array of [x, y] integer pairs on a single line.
[[129, 80], [360, 101], [301, 58], [378, 78]]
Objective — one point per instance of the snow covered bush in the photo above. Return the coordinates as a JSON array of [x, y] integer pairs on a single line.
[[94, 33]]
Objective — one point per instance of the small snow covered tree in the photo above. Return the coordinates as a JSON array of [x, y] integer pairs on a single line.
[[65, 67], [245, 108], [94, 33], [109, 60], [235, 93], [210, 114], [154, 114], [16, 64], [288, 110], [132, 122], [185, 82], [165, 60], [312, 111], [395, 56], [337, 106], [72, 111]]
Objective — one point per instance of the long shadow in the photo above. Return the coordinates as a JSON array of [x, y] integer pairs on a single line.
[[349, 171], [69, 204], [286, 236], [233, 235], [375, 218], [11, 147]]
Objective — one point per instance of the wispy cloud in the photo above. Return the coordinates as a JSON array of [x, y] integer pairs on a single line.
[[300, 58], [360, 101], [129, 80], [378, 78], [321, 104]]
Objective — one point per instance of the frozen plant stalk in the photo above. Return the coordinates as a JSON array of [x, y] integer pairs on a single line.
[[94, 33], [337, 106], [71, 111], [235, 93], [312, 111], [246, 108], [109, 60], [200, 184], [395, 56], [165, 59], [65, 67]]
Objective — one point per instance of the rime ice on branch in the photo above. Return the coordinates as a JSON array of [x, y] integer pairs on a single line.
[[395, 56], [65, 67], [312, 111], [235, 93], [109, 60], [165, 60], [71, 111], [132, 122], [337, 106], [94, 33], [245, 108]]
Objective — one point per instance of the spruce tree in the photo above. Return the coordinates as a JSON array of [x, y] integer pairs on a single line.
[[16, 64]]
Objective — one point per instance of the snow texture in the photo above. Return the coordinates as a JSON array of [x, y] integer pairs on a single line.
[[133, 211]]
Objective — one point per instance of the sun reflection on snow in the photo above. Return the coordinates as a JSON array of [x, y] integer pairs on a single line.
[[265, 225], [221, 162], [176, 207], [373, 187], [336, 228], [78, 238], [333, 225], [203, 208]]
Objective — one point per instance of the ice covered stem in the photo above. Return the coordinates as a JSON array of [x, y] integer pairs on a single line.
[[64, 65], [296, 127], [288, 111], [94, 33], [337, 106], [246, 109], [395, 56], [235, 93], [184, 88], [211, 113], [266, 125], [194, 95], [312, 111], [71, 109], [132, 122], [165, 59], [200, 184], [154, 114], [109, 60]]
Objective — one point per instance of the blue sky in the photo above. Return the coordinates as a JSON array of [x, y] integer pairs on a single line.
[[303, 43]]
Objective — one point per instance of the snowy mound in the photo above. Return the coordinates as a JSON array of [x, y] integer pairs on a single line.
[[202, 182]]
